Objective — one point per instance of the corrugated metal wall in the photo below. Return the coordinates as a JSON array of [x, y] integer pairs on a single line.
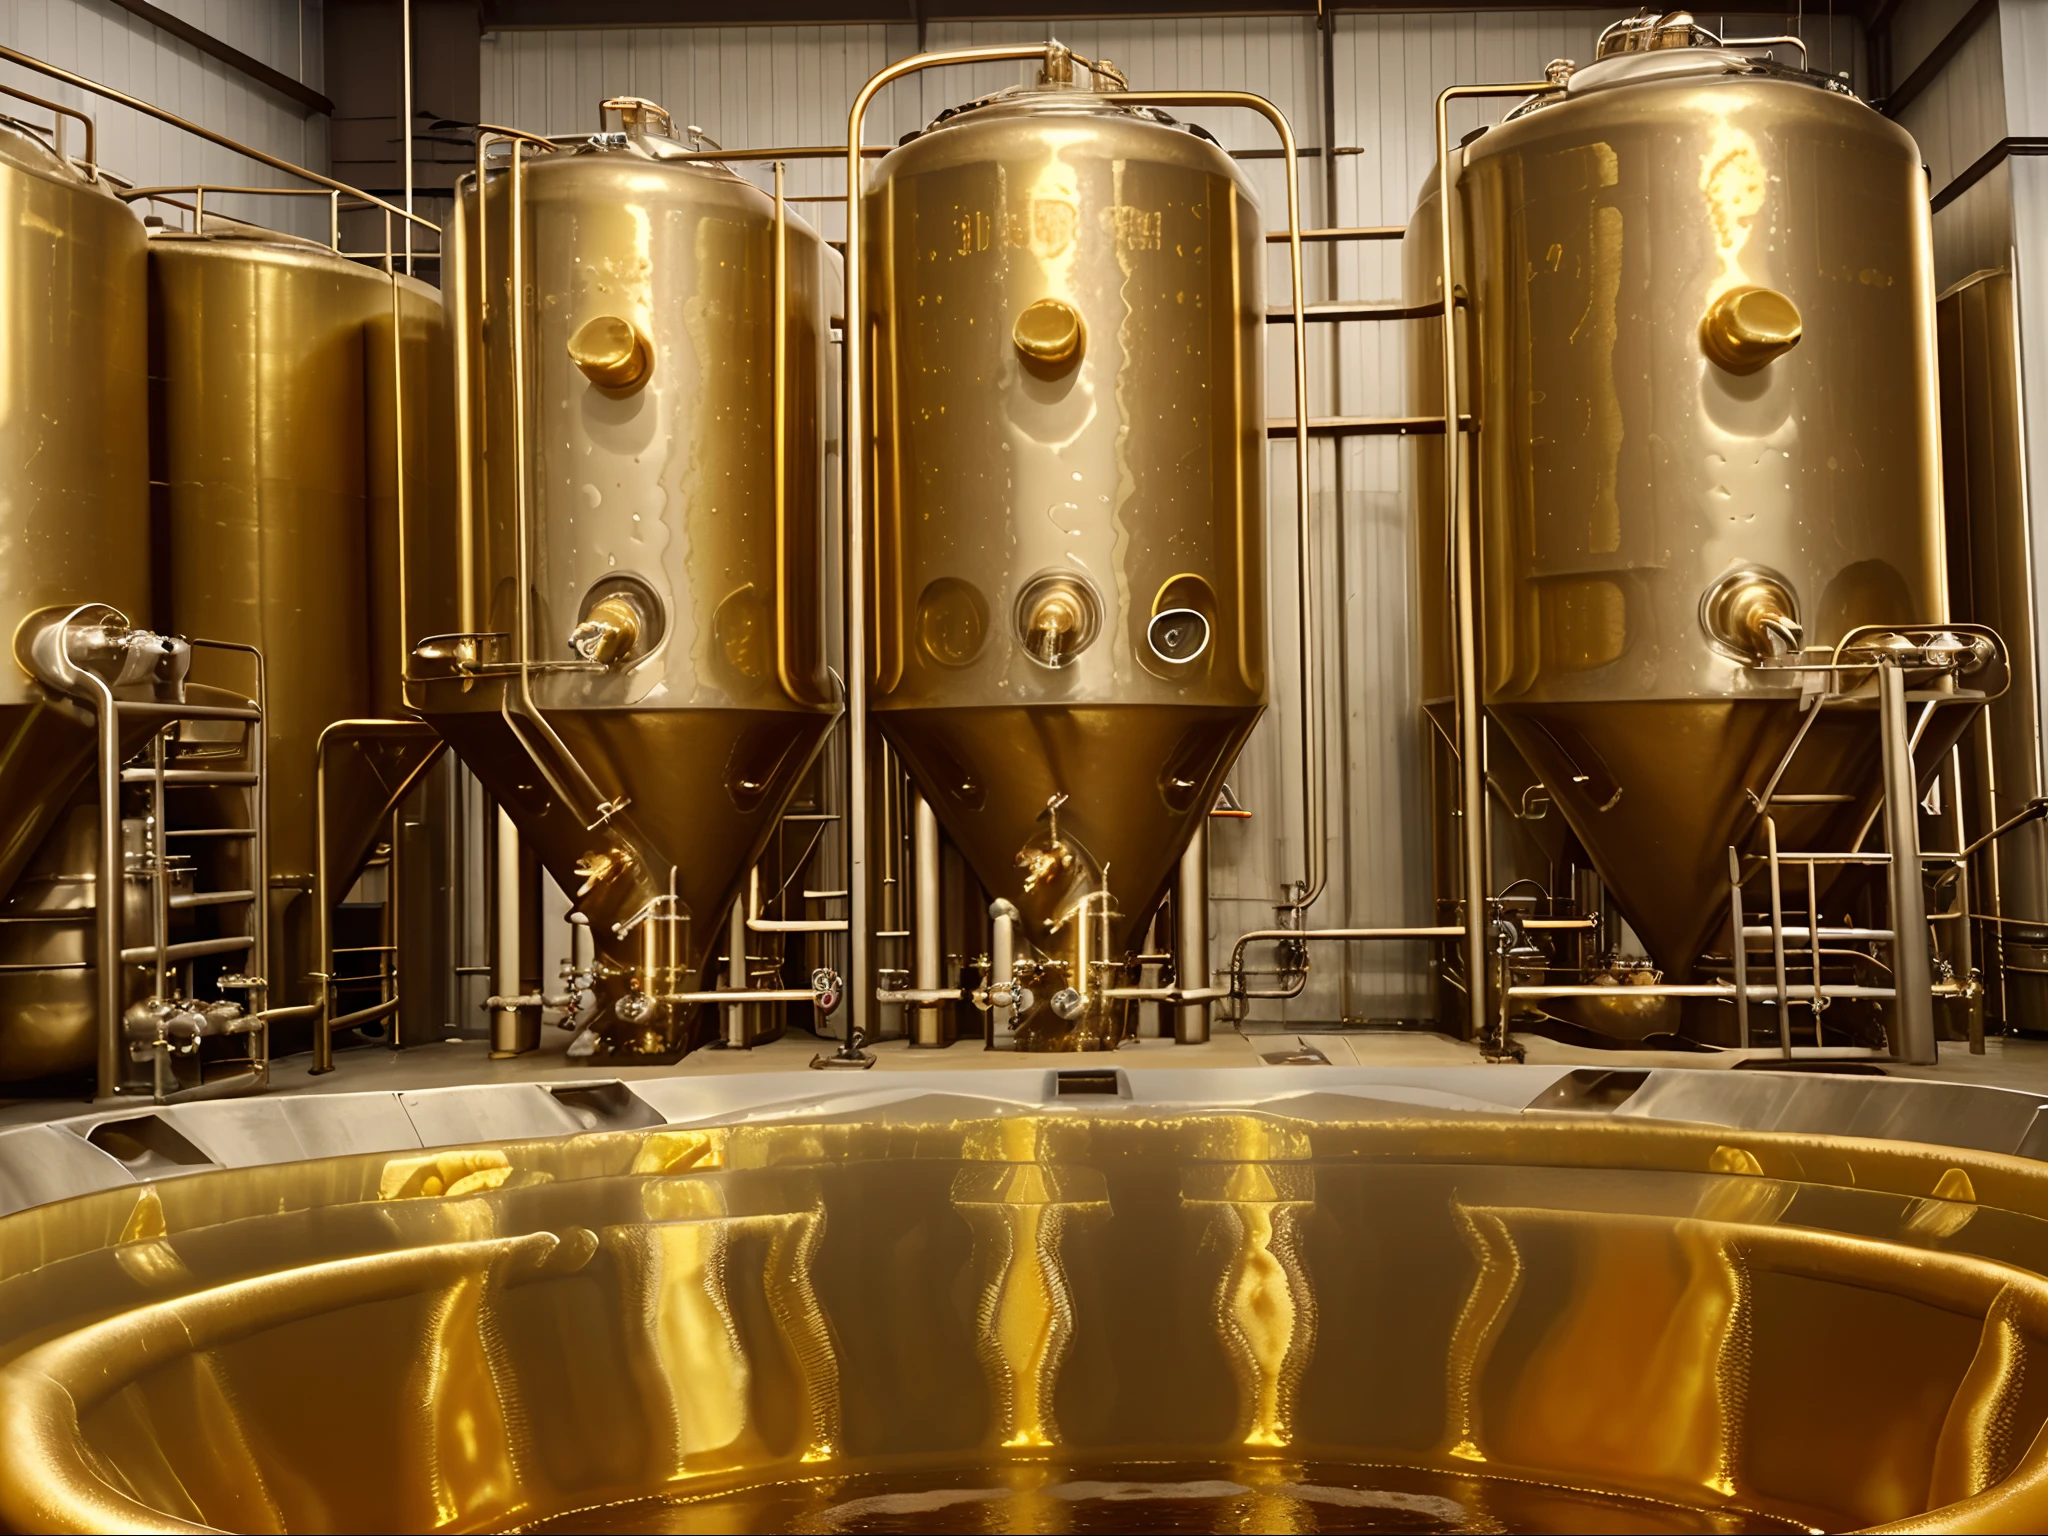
[[117, 48], [761, 86]]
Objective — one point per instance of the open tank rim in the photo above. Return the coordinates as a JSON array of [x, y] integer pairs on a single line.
[[41, 1407]]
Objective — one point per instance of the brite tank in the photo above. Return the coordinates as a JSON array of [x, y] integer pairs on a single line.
[[1701, 309], [1066, 303], [674, 687], [277, 465]]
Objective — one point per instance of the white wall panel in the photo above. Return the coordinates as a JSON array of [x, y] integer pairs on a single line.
[[117, 48]]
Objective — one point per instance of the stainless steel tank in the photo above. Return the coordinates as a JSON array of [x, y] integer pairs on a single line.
[[1067, 312], [630, 647], [74, 529], [276, 458], [1701, 347]]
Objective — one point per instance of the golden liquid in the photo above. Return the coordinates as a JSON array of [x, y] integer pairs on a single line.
[[1043, 1320], [1080, 1497]]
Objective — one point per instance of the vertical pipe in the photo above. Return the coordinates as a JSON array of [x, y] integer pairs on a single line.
[[323, 914], [1460, 518], [1778, 938], [1911, 975], [110, 908], [405, 128], [735, 1014], [860, 976], [505, 957], [926, 937], [1739, 947], [455, 280], [1002, 965], [1191, 937]]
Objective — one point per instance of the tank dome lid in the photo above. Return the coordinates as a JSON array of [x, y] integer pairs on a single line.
[[1642, 48]]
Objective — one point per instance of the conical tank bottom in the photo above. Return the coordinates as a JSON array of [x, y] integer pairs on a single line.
[[1656, 791], [46, 753], [701, 790], [1135, 778]]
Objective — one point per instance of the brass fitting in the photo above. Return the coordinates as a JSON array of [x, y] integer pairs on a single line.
[[1746, 328], [612, 353], [1050, 334], [608, 632], [1753, 614], [1057, 618]]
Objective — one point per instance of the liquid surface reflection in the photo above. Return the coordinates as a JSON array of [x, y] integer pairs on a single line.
[[946, 1313]]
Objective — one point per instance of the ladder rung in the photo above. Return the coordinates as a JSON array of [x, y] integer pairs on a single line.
[[192, 949], [183, 777], [165, 711], [1331, 313], [1355, 232], [211, 832], [211, 899], [1365, 426]]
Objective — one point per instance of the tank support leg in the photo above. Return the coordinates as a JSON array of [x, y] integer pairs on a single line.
[[1191, 937], [926, 1022], [1912, 976]]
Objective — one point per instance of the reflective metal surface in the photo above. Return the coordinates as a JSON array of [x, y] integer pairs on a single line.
[[276, 459], [1991, 572], [74, 468], [1067, 316], [925, 1313], [1701, 321], [645, 706]]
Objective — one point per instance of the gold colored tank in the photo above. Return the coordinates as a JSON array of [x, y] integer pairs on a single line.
[[1701, 346], [646, 704], [1070, 1320], [271, 363], [1067, 305], [74, 529], [74, 466]]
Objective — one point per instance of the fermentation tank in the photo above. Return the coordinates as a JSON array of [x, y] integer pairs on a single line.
[[630, 646], [276, 462], [74, 530], [1067, 315], [1699, 341]]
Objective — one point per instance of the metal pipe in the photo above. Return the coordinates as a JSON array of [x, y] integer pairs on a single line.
[[1739, 949], [1764, 990], [1002, 966], [1777, 936], [756, 923], [137, 104], [1471, 709], [1911, 973], [92, 155], [507, 1025], [860, 985], [778, 377], [1315, 800], [110, 905], [1191, 937], [734, 1015], [405, 127], [925, 935], [455, 280]]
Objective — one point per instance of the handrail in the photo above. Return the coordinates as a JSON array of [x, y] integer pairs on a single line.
[[137, 104], [91, 162]]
